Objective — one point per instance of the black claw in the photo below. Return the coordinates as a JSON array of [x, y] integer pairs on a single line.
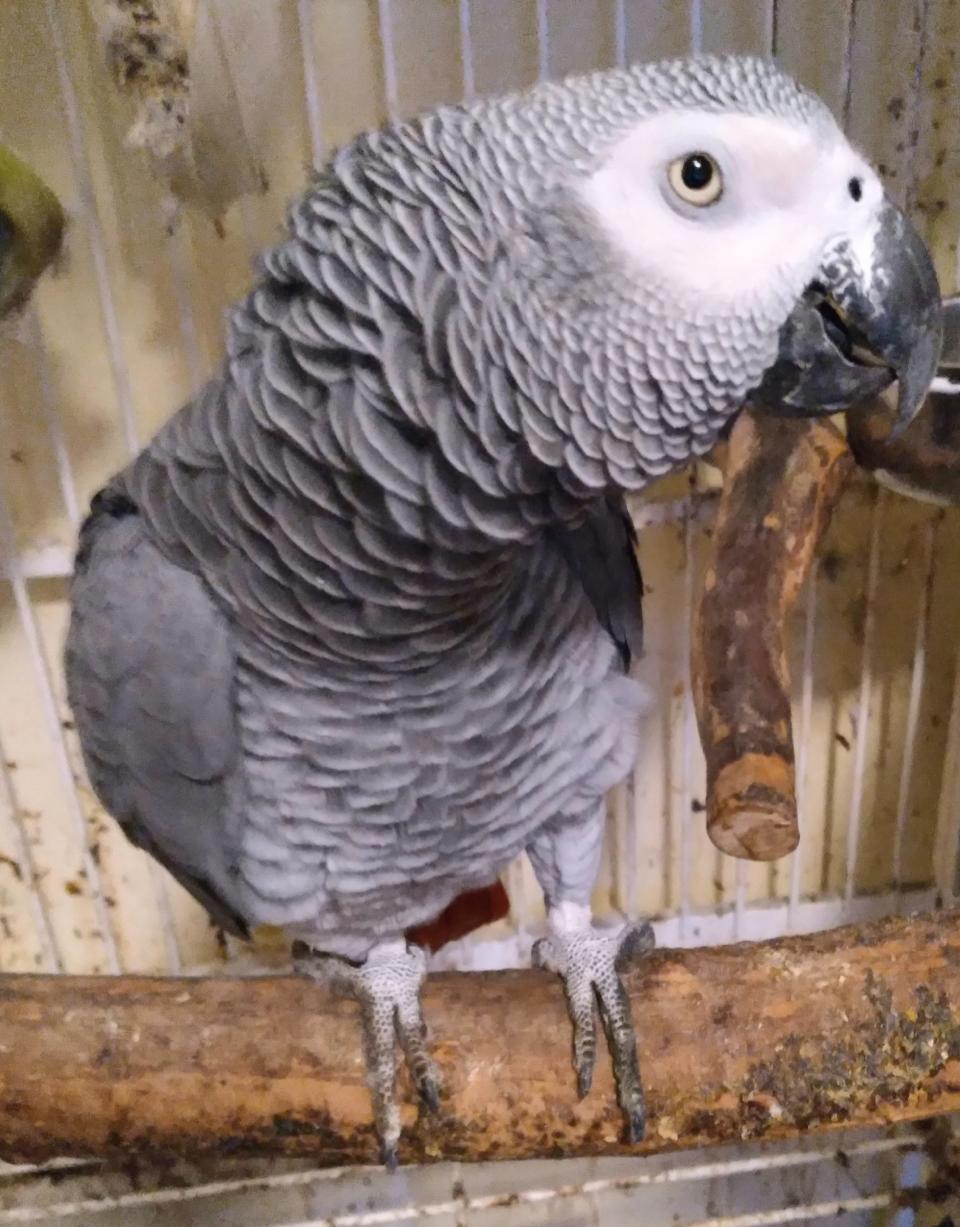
[[429, 1093], [636, 944], [388, 1156], [584, 1080], [636, 1126]]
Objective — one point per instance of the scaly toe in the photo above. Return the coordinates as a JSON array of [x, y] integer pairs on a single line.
[[387, 987], [589, 963]]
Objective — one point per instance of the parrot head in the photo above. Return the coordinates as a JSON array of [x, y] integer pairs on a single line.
[[737, 245], [31, 230]]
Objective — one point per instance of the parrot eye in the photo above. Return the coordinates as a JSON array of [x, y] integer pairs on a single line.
[[696, 179]]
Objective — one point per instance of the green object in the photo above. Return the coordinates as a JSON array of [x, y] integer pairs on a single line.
[[31, 229]]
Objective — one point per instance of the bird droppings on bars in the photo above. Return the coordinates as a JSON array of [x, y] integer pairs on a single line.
[[12, 865], [148, 56]]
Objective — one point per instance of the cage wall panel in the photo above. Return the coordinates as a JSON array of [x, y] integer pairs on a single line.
[[736, 25], [347, 56], [421, 50], [886, 51], [935, 199], [812, 41], [502, 44], [655, 29], [580, 36]]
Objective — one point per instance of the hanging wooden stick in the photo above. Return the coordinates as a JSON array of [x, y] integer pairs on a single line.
[[782, 479]]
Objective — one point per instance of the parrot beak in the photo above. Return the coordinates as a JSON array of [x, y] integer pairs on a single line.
[[856, 330]]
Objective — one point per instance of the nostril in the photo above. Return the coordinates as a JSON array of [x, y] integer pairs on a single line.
[[855, 188]]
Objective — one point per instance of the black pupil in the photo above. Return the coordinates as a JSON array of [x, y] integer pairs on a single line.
[[697, 172], [855, 187]]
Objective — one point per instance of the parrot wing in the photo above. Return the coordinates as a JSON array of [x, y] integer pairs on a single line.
[[602, 553], [150, 675]]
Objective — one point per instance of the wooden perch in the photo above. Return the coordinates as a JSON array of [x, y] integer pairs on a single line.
[[853, 1027], [782, 479], [924, 462]]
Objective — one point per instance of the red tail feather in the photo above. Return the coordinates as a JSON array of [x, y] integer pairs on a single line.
[[466, 913]]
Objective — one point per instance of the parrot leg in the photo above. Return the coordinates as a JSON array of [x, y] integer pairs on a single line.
[[387, 987], [590, 961]]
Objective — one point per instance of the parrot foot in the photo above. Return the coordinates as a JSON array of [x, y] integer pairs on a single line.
[[589, 962], [387, 987]]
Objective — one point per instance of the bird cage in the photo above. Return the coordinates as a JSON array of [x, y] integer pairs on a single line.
[[131, 324]]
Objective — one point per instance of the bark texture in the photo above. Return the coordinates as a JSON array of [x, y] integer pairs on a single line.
[[851, 1027], [782, 480]]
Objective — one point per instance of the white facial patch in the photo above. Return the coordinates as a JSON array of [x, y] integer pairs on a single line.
[[785, 196], [862, 246]]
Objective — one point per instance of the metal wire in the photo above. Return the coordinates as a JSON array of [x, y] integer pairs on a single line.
[[543, 39], [696, 26], [76, 132], [863, 703], [803, 740], [389, 58], [51, 715], [620, 33], [917, 677], [683, 1173], [764, 1218], [186, 318], [801, 1214], [946, 846], [466, 51], [311, 79], [51, 419], [687, 733], [26, 867]]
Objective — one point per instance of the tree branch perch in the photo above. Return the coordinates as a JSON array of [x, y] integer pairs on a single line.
[[852, 1027]]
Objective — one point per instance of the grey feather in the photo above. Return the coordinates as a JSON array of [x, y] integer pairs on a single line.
[[155, 712], [602, 553], [361, 640]]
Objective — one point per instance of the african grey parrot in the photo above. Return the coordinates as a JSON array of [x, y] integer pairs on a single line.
[[351, 632]]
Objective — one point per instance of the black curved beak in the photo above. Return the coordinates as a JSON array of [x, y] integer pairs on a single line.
[[855, 330]]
